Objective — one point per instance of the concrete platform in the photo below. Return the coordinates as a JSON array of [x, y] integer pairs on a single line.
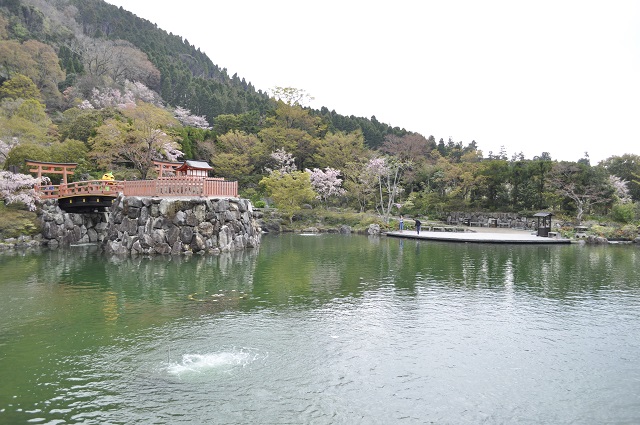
[[484, 236]]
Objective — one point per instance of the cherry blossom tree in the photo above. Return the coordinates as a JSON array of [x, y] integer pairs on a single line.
[[621, 189], [187, 119], [112, 97], [15, 187], [326, 183], [171, 151], [5, 147], [85, 104], [285, 162], [291, 96], [142, 92], [387, 172]]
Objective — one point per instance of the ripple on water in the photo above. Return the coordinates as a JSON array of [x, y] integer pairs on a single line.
[[218, 362]]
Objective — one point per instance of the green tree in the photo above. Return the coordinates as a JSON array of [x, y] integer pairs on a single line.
[[337, 149], [293, 128], [25, 121], [236, 154], [137, 141], [81, 124], [37, 61], [19, 87], [27, 151], [627, 167], [69, 151], [4, 25], [289, 191], [492, 184], [359, 182], [583, 185]]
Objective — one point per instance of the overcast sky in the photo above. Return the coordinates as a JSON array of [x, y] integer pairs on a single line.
[[547, 76]]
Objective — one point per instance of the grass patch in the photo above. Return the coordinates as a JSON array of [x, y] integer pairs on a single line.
[[332, 218], [16, 221]]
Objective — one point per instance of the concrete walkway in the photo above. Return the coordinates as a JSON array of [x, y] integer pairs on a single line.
[[480, 235]]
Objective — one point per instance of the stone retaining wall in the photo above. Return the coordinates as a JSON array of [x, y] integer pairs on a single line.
[[511, 220], [145, 225], [62, 229]]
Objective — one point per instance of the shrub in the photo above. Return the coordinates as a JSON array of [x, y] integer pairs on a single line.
[[625, 233], [624, 213]]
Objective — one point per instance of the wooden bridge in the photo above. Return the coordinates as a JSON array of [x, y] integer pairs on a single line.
[[91, 195]]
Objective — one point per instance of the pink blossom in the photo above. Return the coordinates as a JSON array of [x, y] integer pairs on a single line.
[[115, 98], [5, 147], [326, 183], [621, 188], [284, 162], [171, 151], [85, 104], [378, 167], [16, 187], [141, 92], [187, 119]]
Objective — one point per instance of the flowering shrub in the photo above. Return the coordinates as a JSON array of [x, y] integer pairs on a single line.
[[19, 188]]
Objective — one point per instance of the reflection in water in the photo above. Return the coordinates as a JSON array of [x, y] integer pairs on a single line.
[[323, 329]]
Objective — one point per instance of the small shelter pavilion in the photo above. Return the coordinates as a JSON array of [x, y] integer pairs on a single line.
[[544, 223]]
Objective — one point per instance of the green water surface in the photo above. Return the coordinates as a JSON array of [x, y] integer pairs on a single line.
[[323, 329]]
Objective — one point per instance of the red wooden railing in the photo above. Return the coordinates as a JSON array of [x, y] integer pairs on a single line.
[[166, 186], [181, 186], [88, 187]]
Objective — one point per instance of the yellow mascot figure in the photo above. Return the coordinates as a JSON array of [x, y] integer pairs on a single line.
[[107, 178]]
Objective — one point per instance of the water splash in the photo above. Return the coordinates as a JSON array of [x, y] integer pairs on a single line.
[[196, 364]]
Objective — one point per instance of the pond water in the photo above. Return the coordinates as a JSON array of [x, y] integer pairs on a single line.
[[326, 329]]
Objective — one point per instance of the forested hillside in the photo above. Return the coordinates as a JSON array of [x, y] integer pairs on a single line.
[[84, 81]]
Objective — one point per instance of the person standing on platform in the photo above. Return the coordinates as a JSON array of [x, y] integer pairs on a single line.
[[401, 225], [418, 224]]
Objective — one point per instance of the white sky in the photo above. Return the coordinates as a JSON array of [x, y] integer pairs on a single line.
[[547, 76]]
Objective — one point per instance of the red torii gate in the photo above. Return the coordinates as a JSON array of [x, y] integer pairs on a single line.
[[66, 169], [163, 167]]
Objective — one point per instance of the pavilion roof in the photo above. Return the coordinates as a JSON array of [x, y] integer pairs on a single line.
[[197, 165]]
